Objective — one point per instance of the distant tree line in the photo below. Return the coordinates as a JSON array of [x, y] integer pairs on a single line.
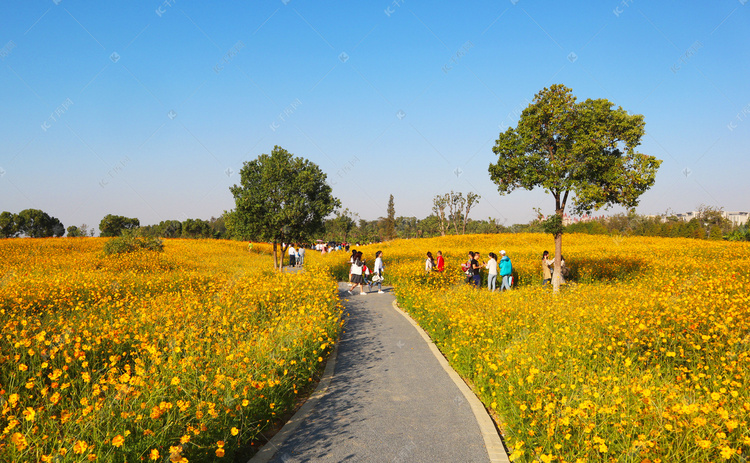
[[188, 228], [708, 224], [34, 223]]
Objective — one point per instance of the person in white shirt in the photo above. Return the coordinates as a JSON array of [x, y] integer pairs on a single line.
[[301, 258], [357, 276], [292, 256], [378, 270], [492, 272]]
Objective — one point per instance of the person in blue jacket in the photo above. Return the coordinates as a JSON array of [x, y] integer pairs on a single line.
[[506, 271]]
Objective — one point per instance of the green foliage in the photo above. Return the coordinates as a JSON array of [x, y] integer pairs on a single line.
[[585, 149], [131, 242], [114, 225], [390, 221], [280, 199], [75, 232], [553, 225], [38, 224], [8, 225], [340, 227], [196, 228]]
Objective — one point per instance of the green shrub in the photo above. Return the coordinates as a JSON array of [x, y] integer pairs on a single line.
[[131, 243]]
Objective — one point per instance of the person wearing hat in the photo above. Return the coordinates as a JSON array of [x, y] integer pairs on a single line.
[[506, 271]]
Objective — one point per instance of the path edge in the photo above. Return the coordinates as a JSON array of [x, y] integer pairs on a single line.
[[269, 450], [492, 441]]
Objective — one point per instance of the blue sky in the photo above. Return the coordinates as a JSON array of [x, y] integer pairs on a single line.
[[149, 109]]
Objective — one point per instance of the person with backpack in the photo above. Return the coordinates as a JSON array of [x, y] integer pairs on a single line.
[[506, 271]]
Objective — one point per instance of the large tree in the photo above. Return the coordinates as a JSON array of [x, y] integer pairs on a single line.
[[584, 152], [114, 225], [282, 199], [35, 223]]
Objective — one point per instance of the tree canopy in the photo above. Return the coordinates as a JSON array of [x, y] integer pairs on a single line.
[[113, 225], [33, 223], [281, 199], [584, 152]]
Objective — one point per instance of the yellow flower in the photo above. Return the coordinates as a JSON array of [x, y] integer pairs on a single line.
[[727, 452], [219, 453], [235, 431], [175, 381], [153, 455], [118, 440], [80, 447], [29, 414], [19, 440]]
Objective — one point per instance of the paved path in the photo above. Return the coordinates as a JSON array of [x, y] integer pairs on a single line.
[[388, 400]]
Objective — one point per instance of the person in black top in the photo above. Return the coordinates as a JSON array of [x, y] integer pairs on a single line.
[[475, 269]]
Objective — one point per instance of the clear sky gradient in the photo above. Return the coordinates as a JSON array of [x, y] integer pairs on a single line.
[[149, 109]]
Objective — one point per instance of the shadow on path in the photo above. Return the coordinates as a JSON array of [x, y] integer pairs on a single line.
[[389, 399]]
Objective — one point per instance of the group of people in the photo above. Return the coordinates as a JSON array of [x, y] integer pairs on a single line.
[[495, 266], [296, 255], [431, 264], [360, 274], [498, 267]]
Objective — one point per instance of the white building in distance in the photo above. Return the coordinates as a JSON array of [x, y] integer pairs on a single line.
[[736, 217]]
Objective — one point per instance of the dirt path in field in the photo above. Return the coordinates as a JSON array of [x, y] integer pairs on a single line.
[[386, 397]]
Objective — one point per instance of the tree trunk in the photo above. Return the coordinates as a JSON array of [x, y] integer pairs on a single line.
[[275, 257], [558, 253], [557, 266]]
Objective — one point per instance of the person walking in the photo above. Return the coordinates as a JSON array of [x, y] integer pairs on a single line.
[[301, 259], [546, 274], [351, 262], [492, 272], [440, 265], [292, 256], [506, 271], [429, 263], [357, 278], [378, 270]]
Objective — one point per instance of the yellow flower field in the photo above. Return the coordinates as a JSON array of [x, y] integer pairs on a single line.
[[644, 357], [184, 355]]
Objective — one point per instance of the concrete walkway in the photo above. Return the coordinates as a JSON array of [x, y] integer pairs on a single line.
[[385, 397]]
